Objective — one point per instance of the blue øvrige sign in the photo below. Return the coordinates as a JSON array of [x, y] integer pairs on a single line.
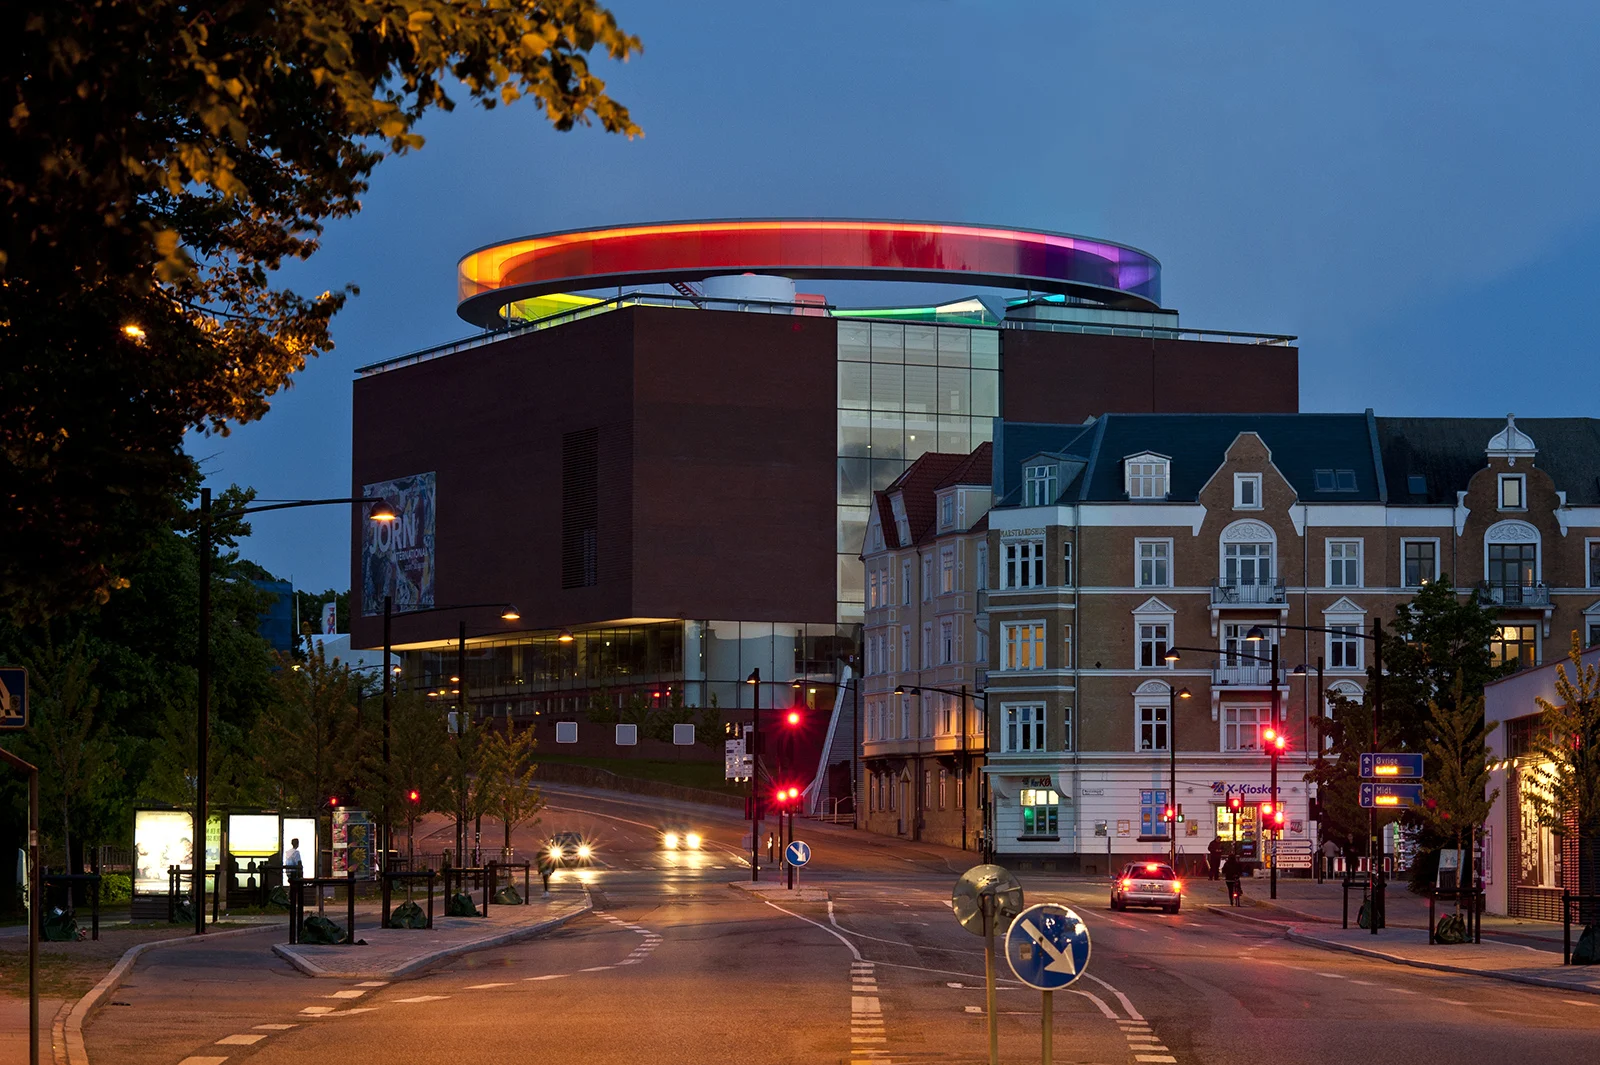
[[1047, 946], [797, 853], [1391, 766]]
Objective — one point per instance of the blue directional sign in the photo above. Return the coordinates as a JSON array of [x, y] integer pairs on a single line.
[[1047, 946], [797, 853], [1391, 767], [1385, 796], [13, 699]]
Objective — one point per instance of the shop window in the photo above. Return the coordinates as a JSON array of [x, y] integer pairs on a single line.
[[1041, 810]]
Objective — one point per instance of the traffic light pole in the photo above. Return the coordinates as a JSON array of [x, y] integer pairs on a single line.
[[1277, 803], [755, 775], [1374, 851]]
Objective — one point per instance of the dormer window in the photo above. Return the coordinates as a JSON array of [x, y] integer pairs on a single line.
[[1513, 491], [1039, 486], [902, 523], [1147, 476], [947, 510]]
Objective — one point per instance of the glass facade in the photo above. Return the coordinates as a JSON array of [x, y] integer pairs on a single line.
[[904, 389]]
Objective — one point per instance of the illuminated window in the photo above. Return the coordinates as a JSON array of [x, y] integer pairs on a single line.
[[1421, 562], [1022, 645], [1040, 811], [947, 570], [1242, 725], [1514, 645], [1147, 476], [1513, 491]]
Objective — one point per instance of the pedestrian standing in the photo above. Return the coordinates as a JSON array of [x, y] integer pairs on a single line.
[[1330, 851], [1214, 855], [1232, 872]]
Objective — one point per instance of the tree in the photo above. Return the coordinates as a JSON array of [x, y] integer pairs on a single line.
[[464, 790], [508, 771], [1458, 800], [1565, 779], [307, 740], [417, 740], [160, 161]]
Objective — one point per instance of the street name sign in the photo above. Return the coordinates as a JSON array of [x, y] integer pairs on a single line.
[[797, 853], [1391, 767], [13, 699], [1384, 796], [1047, 946]]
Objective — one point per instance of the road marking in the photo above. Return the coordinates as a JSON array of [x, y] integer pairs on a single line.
[[552, 976], [1154, 1057], [1575, 1002], [1132, 1013], [347, 1013], [422, 998], [345, 994], [1400, 991], [202, 1061], [1450, 1001], [240, 1040], [275, 1027], [485, 987], [1364, 983], [596, 968], [317, 1011], [373, 983]]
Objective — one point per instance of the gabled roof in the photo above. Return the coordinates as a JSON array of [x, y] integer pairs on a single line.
[[1446, 452], [974, 470], [918, 486]]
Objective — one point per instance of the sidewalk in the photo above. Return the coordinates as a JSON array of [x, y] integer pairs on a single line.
[[392, 953]]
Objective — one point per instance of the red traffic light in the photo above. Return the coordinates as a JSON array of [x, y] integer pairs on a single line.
[[333, 800], [1235, 803], [1277, 817], [414, 795], [794, 793], [793, 718], [1169, 814], [1266, 809]]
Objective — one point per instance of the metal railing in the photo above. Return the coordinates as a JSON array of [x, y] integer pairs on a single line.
[[1248, 593], [1159, 331], [297, 901], [1516, 594], [1244, 676]]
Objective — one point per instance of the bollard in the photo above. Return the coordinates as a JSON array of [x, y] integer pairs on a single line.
[[350, 881]]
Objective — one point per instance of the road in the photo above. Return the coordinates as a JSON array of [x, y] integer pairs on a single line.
[[676, 966]]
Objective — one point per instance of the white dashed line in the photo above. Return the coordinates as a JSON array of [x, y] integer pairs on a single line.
[[241, 1040], [317, 1011], [1450, 1001], [1400, 990], [275, 1027], [345, 994], [596, 968], [552, 976], [202, 1061], [1155, 1057], [373, 983], [485, 987], [1575, 1002], [1331, 976], [421, 998]]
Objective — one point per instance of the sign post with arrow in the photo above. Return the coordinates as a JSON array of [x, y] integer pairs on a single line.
[[985, 900], [1047, 947]]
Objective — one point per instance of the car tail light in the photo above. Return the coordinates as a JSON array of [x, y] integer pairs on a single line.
[[1126, 883], [1177, 885]]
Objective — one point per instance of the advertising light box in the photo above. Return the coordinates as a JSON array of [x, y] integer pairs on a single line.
[[253, 835], [161, 838]]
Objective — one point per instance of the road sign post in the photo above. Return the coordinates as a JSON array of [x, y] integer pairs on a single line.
[[795, 855], [1047, 947], [986, 897]]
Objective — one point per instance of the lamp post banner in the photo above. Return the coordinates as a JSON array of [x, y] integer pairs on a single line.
[[397, 556]]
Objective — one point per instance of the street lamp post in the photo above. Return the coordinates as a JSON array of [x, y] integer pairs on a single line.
[[754, 680], [381, 511], [1173, 695], [966, 757]]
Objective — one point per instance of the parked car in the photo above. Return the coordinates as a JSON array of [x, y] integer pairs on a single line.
[[1147, 884]]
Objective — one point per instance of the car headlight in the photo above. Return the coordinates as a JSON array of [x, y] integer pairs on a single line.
[[670, 841], [692, 841], [583, 850], [557, 853]]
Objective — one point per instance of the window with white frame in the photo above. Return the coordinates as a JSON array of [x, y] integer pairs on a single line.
[[1344, 563], [905, 717], [947, 641], [1041, 812], [1253, 658], [983, 566], [1146, 476], [1024, 727], [1242, 725], [1247, 565], [1022, 564], [1154, 639], [1592, 549], [905, 582], [1066, 647], [905, 647], [947, 511], [1039, 486], [1594, 634], [1419, 562], [927, 644], [1247, 491], [1022, 645], [946, 714], [1513, 491], [1066, 729], [982, 654], [1066, 564], [1344, 644], [1155, 563], [925, 702], [927, 578], [947, 570], [872, 589], [1151, 734]]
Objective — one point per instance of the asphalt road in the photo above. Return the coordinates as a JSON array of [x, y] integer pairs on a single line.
[[675, 966]]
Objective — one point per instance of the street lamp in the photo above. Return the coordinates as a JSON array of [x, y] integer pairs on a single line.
[[754, 680], [380, 511], [1374, 854], [966, 753]]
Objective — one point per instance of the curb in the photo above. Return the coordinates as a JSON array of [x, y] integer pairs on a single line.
[[67, 1033], [411, 968], [1492, 974], [1232, 912], [764, 890]]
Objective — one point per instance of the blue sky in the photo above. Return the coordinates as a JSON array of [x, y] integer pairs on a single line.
[[1409, 188]]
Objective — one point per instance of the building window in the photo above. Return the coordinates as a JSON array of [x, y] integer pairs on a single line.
[[1152, 732], [1154, 639], [1024, 728], [1512, 566], [1066, 647], [1513, 491], [1024, 564], [1421, 562], [1147, 477], [1335, 480], [1514, 645], [983, 567], [1066, 564], [1247, 565], [872, 589], [946, 714], [982, 654], [927, 579], [1593, 568], [1344, 646], [1022, 645], [1040, 812], [927, 644], [1152, 813], [947, 511], [947, 570], [947, 641], [1155, 557], [1344, 563], [905, 583], [1039, 486], [1246, 656], [1594, 634], [1247, 491], [1242, 725], [905, 647], [944, 786]]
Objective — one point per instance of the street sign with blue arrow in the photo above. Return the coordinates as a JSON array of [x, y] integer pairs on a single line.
[[1047, 946], [1385, 796], [1391, 767], [797, 853]]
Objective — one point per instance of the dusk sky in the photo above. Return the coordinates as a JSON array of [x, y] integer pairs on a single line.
[[1409, 188]]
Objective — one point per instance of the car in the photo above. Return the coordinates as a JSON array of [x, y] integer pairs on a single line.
[[681, 837], [1147, 884], [569, 848]]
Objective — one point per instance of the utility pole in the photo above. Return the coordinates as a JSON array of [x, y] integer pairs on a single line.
[[1173, 695], [461, 741], [755, 773], [388, 695], [1273, 749], [203, 671], [1374, 851]]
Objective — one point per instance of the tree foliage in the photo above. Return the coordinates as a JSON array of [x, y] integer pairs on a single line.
[[159, 161], [308, 739], [508, 770], [1566, 772]]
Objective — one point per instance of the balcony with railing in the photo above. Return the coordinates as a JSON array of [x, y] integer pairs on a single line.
[[1243, 675], [1247, 593], [1513, 595]]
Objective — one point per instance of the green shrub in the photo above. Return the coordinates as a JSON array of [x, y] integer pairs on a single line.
[[115, 888]]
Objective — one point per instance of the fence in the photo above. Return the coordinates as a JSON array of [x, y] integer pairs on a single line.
[[388, 886], [297, 902], [1473, 897]]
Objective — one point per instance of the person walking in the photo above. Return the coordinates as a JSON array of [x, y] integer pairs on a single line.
[[1330, 851], [1214, 855], [1232, 872]]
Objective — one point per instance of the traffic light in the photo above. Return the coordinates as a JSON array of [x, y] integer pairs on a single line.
[[1266, 811], [333, 800], [1274, 741], [792, 718], [1169, 815], [1316, 810], [1235, 803], [1180, 813], [414, 796], [1278, 817]]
